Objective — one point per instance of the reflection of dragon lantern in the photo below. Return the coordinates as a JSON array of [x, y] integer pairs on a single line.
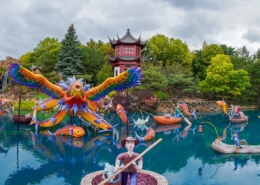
[[73, 97]]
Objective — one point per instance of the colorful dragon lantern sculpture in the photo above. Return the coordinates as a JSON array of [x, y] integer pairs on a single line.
[[72, 97]]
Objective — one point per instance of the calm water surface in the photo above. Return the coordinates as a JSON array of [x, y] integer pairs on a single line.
[[187, 159]]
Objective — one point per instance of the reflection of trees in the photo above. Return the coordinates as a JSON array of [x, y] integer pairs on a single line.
[[239, 160], [30, 175], [72, 163], [168, 155], [172, 156]]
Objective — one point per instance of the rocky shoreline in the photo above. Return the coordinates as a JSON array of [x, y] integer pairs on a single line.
[[203, 106], [156, 105]]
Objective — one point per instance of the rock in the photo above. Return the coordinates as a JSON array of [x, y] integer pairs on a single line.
[[9, 60], [135, 99]]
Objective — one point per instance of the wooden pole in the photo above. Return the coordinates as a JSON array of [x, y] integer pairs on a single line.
[[128, 164], [187, 121], [186, 128], [19, 108], [127, 134], [73, 118]]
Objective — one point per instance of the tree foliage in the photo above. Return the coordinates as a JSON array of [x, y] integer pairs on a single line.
[[179, 83], [43, 55], [161, 50], [242, 59], [26, 60], [178, 52], [222, 78], [105, 72], [155, 48], [255, 80], [153, 79], [107, 51], [92, 61], [168, 65], [203, 57], [69, 58], [228, 50]]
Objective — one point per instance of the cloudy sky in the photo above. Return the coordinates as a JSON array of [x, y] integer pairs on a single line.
[[23, 23]]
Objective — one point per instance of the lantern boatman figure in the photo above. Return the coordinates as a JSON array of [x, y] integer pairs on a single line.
[[236, 139], [177, 113], [129, 143]]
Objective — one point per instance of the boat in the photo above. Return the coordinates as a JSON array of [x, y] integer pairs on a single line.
[[243, 118], [166, 120], [232, 149], [146, 176], [23, 119]]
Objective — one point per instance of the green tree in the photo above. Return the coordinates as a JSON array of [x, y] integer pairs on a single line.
[[48, 49], [198, 65], [26, 60], [104, 48], [202, 59], [204, 45], [94, 45], [153, 80], [155, 49], [256, 56], [227, 50], [255, 80], [161, 50], [179, 83], [92, 62], [107, 51], [222, 78], [176, 68], [105, 72], [43, 55], [178, 52], [211, 51], [242, 59], [69, 58]]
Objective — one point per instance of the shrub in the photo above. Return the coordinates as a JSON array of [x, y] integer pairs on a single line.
[[25, 105], [41, 95], [142, 94], [161, 95], [112, 93]]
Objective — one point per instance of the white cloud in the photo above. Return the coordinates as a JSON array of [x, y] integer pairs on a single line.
[[24, 23]]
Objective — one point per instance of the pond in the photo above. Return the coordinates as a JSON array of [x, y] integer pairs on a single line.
[[186, 158]]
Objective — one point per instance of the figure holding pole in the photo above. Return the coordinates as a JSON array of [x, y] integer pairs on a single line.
[[132, 162], [129, 143], [186, 120]]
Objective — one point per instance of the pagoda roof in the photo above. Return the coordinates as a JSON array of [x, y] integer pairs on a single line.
[[124, 58], [128, 39]]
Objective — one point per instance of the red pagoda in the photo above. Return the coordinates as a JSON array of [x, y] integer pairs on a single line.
[[127, 52]]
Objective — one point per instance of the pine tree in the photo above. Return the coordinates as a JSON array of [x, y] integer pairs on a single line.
[[69, 59]]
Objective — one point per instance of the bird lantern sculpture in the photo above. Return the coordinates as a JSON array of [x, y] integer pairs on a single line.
[[73, 97]]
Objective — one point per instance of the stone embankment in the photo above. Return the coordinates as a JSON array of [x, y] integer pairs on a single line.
[[6, 63], [200, 105]]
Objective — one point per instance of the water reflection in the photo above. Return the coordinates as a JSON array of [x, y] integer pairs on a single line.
[[35, 158]]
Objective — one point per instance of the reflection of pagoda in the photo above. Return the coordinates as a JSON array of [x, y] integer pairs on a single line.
[[127, 52]]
